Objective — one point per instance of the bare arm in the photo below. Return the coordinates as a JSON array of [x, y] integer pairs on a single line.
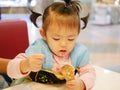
[[3, 65]]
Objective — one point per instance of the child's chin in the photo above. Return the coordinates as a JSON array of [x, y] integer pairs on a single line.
[[62, 55]]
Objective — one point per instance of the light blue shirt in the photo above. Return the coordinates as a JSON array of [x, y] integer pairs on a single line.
[[79, 55]]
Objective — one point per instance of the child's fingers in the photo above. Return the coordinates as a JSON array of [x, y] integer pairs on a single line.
[[39, 56], [36, 58], [35, 61]]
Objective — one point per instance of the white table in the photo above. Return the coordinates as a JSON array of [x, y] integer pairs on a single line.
[[106, 80]]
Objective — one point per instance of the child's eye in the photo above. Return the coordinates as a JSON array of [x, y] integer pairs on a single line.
[[56, 39], [71, 39]]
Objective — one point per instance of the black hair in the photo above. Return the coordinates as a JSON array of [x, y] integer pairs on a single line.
[[68, 6]]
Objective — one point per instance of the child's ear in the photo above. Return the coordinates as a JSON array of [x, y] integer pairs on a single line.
[[42, 32]]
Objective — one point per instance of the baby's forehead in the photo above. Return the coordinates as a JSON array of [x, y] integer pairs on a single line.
[[62, 31], [65, 28]]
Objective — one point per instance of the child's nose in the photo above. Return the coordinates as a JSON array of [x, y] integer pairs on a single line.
[[63, 43]]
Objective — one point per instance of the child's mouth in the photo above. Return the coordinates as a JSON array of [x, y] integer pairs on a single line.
[[63, 51]]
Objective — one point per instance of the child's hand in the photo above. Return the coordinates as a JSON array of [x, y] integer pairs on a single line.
[[32, 63], [75, 84]]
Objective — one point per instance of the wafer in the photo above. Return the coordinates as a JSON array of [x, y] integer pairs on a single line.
[[68, 72]]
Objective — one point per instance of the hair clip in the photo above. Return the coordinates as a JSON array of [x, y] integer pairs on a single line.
[[67, 3]]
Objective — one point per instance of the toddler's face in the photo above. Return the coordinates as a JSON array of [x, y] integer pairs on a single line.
[[61, 40]]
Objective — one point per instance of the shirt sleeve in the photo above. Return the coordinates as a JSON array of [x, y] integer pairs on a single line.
[[13, 68], [87, 75]]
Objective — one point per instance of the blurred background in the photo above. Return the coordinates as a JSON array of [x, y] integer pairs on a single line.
[[101, 36]]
